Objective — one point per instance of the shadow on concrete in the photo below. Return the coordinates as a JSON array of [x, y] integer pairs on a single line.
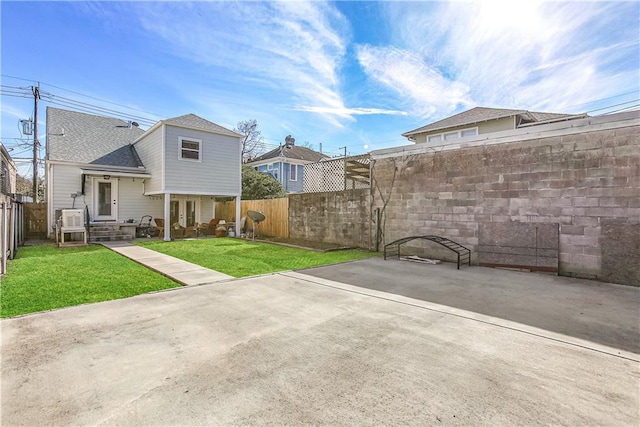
[[599, 312]]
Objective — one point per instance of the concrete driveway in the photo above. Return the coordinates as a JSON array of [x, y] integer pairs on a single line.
[[586, 309], [296, 349]]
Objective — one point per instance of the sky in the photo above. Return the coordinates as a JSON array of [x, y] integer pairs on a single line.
[[337, 74]]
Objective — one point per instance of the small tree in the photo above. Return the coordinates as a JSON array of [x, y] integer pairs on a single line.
[[252, 143], [257, 185], [24, 185]]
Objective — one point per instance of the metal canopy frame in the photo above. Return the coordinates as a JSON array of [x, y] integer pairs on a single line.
[[463, 253]]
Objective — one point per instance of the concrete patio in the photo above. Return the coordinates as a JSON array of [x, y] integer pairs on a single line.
[[291, 348]]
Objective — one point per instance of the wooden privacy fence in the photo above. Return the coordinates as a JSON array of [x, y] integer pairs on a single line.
[[276, 211], [35, 218]]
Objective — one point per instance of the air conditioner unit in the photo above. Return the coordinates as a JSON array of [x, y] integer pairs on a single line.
[[72, 218]]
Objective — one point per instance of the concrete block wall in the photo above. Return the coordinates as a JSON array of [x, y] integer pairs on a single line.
[[340, 217], [588, 182]]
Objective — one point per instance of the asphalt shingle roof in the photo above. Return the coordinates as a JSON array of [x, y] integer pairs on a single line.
[[293, 152], [482, 114], [85, 138], [195, 122]]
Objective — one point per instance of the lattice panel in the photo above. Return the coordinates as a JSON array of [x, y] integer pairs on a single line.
[[337, 174]]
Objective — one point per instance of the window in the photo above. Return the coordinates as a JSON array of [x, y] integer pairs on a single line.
[[452, 135], [270, 166], [294, 173], [190, 149]]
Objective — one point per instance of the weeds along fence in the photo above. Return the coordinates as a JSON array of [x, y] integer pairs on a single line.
[[276, 211]]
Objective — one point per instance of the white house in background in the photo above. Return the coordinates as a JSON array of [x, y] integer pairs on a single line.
[[286, 164], [482, 120], [173, 171]]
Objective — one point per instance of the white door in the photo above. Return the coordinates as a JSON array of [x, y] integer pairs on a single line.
[[105, 199]]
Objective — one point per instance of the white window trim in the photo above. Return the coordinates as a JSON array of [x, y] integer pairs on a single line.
[[292, 168], [459, 132], [184, 138]]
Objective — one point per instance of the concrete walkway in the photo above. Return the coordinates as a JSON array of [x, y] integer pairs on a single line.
[[183, 272]]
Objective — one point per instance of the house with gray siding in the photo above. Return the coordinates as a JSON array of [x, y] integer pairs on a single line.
[[286, 164], [482, 120], [120, 173]]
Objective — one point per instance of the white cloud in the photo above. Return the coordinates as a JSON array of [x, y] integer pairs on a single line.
[[418, 84], [348, 112], [524, 54], [295, 49]]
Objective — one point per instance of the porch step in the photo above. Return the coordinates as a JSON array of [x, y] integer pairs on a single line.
[[110, 238], [108, 233]]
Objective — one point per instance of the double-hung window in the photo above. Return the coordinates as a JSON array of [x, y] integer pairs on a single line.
[[190, 149], [293, 176]]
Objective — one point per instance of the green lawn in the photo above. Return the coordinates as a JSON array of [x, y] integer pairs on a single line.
[[46, 277], [240, 258]]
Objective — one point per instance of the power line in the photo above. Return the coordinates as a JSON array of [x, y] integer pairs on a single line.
[[94, 109], [630, 108], [84, 95], [615, 105], [603, 99]]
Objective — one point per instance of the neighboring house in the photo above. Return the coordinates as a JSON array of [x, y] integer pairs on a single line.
[[286, 164], [482, 120], [8, 173], [174, 170], [10, 218]]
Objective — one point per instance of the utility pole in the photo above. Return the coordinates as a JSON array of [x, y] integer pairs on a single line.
[[36, 97]]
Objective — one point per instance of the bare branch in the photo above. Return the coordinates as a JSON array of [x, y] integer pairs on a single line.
[[252, 143]]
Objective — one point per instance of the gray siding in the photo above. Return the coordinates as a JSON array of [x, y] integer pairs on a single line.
[[218, 173], [150, 151], [132, 204], [289, 185], [206, 209], [67, 179]]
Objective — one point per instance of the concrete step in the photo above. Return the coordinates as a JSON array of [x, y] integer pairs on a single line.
[[110, 238], [106, 232]]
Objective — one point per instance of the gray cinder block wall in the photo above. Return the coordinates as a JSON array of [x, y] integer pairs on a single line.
[[334, 217], [587, 181]]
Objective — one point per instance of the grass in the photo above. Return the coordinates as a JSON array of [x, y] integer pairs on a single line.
[[47, 277], [241, 258]]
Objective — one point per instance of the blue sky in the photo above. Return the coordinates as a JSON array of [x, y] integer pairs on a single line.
[[354, 74]]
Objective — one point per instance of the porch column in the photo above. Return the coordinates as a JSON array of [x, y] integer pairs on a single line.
[[238, 215], [167, 217]]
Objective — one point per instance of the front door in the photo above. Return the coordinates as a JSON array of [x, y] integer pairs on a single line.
[[105, 200]]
